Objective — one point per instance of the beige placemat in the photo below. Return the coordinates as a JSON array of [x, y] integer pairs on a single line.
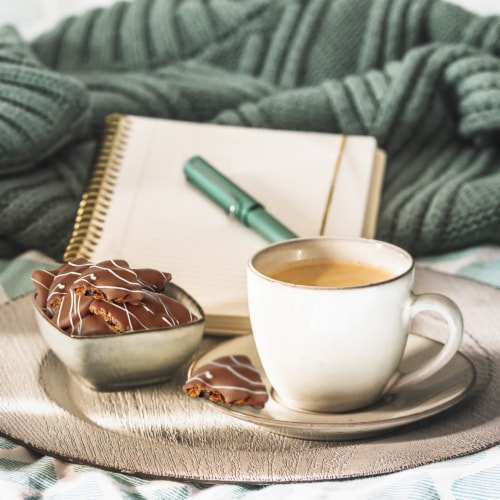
[[158, 431]]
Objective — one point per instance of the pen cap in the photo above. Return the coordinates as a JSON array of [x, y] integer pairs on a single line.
[[219, 188]]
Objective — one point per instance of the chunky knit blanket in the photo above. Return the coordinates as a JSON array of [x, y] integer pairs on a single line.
[[422, 76]]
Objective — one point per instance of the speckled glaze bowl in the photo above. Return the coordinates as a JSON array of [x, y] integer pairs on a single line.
[[123, 360]]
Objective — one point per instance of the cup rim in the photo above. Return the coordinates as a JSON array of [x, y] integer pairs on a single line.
[[369, 241]]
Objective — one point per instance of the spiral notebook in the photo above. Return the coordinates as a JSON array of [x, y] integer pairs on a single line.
[[139, 207]]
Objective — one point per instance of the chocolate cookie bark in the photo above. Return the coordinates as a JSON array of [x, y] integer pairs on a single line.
[[231, 380], [86, 298]]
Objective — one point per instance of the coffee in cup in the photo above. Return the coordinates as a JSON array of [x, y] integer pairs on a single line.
[[331, 317], [329, 273]]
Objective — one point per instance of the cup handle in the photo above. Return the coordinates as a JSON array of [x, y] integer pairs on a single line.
[[451, 313]]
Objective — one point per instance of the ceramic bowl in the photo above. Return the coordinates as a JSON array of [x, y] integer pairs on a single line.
[[122, 360]]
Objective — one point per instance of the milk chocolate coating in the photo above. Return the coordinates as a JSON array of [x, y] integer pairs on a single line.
[[71, 311], [63, 280], [110, 280], [115, 281], [83, 298], [154, 311], [90, 325], [153, 280], [228, 380]]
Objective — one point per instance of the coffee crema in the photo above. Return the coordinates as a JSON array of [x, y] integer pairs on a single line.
[[329, 273]]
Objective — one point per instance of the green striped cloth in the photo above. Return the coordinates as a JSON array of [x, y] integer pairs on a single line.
[[422, 76]]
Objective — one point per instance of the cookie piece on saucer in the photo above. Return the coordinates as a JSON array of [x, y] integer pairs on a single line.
[[230, 380]]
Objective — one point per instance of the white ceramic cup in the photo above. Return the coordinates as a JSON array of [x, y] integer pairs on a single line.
[[333, 349]]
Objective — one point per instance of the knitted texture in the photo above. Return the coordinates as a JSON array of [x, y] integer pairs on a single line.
[[422, 76]]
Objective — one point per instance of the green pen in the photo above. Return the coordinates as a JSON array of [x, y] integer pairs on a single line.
[[236, 202]]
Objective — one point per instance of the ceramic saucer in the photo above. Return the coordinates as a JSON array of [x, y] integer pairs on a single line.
[[438, 393]]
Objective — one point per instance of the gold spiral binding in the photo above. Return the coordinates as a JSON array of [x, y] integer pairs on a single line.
[[94, 205]]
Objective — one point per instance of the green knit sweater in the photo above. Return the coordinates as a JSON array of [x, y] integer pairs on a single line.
[[422, 76]]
